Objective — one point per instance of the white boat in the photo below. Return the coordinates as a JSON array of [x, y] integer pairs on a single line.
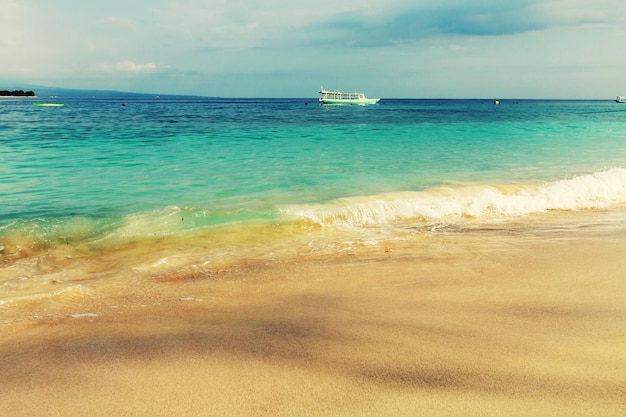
[[337, 97], [620, 99]]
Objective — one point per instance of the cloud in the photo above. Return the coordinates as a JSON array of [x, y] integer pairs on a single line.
[[128, 67], [133, 67], [455, 18]]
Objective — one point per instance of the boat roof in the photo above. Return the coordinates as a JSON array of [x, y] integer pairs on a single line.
[[322, 91]]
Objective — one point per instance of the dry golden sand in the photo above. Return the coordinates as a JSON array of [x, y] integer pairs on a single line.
[[473, 327]]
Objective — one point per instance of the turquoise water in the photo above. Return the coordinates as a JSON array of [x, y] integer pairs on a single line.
[[107, 173], [101, 158]]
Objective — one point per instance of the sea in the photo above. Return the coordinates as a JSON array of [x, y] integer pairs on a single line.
[[117, 193]]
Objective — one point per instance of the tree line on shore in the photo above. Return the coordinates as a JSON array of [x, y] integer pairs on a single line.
[[17, 93]]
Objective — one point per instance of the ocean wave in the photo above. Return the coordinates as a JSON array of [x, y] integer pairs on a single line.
[[463, 202], [441, 205]]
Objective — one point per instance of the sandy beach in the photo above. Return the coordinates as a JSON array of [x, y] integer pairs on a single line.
[[473, 326]]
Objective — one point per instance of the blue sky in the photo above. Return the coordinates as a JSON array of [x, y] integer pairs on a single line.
[[273, 48]]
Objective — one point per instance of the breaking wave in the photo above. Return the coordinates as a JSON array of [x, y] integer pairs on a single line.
[[594, 191]]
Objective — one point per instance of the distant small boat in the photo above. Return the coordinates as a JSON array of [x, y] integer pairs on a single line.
[[48, 104], [620, 99], [337, 97]]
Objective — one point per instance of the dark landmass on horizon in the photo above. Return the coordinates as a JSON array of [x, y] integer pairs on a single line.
[[16, 93]]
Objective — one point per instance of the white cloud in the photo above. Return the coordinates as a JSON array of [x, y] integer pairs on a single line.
[[128, 67], [133, 67]]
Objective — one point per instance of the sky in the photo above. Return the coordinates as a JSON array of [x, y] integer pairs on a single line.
[[281, 48]]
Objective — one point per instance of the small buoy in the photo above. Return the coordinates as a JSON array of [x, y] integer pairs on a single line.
[[496, 102]]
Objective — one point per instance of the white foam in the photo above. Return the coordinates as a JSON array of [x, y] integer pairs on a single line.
[[598, 190]]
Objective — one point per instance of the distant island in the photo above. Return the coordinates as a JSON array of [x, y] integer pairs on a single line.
[[16, 93]]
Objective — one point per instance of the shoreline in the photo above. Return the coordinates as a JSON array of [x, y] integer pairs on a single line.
[[466, 325]]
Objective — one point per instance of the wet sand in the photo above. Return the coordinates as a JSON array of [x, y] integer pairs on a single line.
[[473, 326]]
